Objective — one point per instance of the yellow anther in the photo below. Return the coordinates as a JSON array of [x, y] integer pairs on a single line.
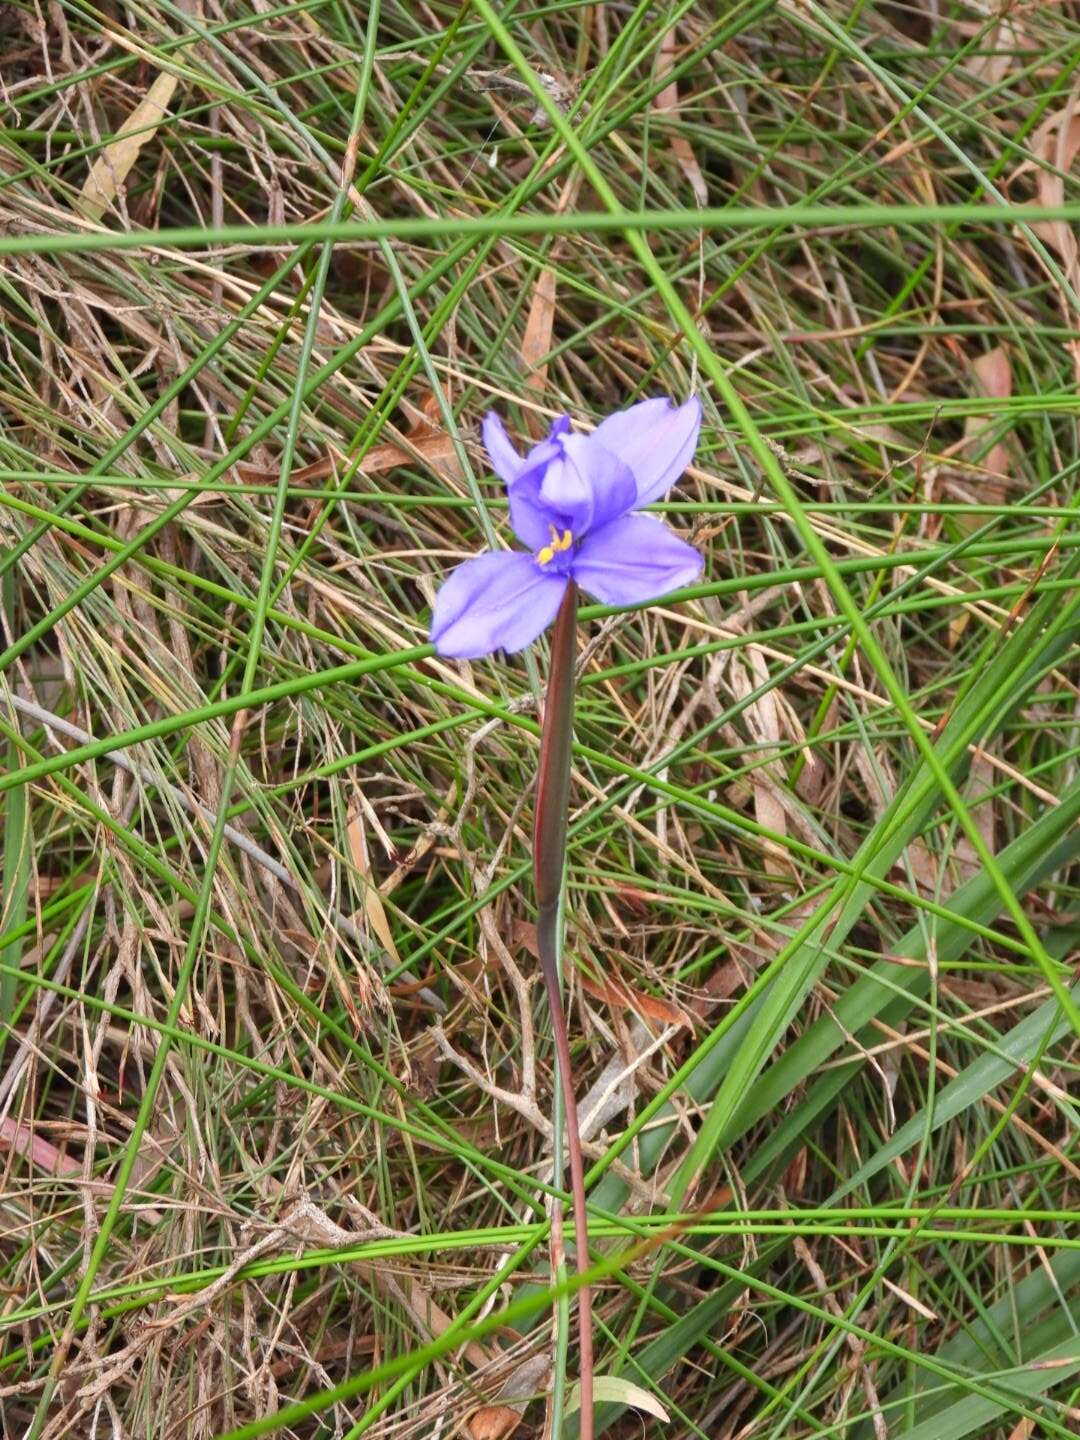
[[558, 543]]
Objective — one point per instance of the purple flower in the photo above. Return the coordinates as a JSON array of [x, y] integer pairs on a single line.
[[573, 500]]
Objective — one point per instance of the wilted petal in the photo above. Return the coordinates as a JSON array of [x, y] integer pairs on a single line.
[[587, 485], [634, 559], [656, 439], [497, 601], [505, 460]]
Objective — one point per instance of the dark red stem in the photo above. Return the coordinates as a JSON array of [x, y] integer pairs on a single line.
[[549, 858]]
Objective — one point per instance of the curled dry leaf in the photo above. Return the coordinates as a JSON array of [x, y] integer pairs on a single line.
[[667, 102], [26, 1141], [763, 718], [981, 780], [633, 897], [614, 990], [523, 935], [374, 911], [428, 427], [536, 343], [617, 994], [540, 325], [500, 1419], [111, 168], [992, 374], [1054, 146], [881, 784], [998, 52], [432, 449], [492, 1422], [722, 982]]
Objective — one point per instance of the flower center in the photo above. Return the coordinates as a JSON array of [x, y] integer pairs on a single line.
[[558, 544]]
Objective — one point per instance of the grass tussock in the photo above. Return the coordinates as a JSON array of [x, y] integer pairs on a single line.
[[277, 1077]]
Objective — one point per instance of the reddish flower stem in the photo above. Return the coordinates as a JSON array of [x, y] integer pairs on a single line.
[[549, 859]]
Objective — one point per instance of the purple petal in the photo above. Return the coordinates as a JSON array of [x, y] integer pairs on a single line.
[[497, 601], [587, 485], [505, 460], [529, 516], [634, 559], [656, 440]]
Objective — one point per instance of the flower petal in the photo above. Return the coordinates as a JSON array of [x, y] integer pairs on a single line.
[[531, 519], [497, 601], [505, 460], [656, 440], [528, 514], [634, 559], [587, 485]]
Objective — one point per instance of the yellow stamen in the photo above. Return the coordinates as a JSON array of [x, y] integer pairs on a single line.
[[558, 543]]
